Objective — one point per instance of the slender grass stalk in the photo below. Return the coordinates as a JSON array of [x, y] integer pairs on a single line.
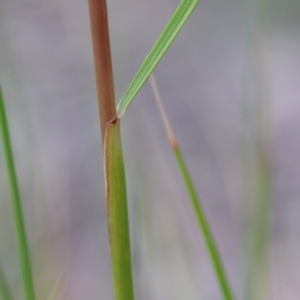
[[115, 182], [163, 43], [4, 288], [103, 63], [195, 201], [17, 205]]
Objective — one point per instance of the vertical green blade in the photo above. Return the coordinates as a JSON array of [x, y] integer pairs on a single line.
[[17, 204], [117, 213]]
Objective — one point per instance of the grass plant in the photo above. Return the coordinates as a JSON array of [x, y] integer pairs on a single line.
[[114, 170], [113, 159], [17, 205], [115, 183]]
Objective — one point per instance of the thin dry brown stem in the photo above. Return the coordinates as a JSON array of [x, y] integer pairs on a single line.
[[168, 127], [103, 63]]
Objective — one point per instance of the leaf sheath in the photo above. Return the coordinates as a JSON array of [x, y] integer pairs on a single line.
[[117, 212]]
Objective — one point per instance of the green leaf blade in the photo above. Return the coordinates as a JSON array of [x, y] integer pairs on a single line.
[[163, 43], [117, 213], [195, 200], [205, 228]]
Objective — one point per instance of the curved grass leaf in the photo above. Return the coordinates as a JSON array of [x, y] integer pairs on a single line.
[[163, 43], [117, 212], [17, 204]]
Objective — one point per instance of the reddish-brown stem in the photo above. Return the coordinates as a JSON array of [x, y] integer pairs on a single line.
[[103, 63]]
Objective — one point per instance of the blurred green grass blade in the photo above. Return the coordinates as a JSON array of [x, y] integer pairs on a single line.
[[163, 43], [260, 235], [262, 27], [4, 288], [195, 201], [17, 205], [117, 213]]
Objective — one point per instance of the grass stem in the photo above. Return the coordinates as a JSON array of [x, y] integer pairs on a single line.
[[115, 182], [103, 62]]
